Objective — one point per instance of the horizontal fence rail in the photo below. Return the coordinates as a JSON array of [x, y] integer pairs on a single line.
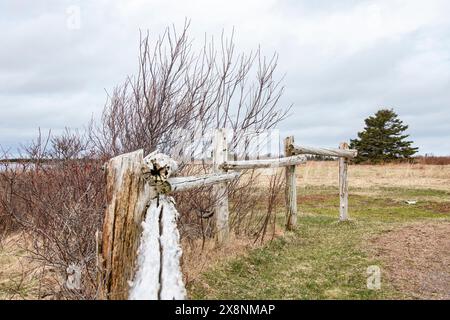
[[186, 183], [265, 163], [349, 153]]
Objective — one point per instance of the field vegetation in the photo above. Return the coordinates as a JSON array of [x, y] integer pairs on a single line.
[[322, 259], [325, 259]]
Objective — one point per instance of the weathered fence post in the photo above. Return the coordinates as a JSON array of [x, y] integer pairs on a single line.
[[343, 184], [137, 259], [220, 155], [127, 196], [291, 187]]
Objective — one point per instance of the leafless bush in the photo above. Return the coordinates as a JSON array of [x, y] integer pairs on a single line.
[[179, 94], [274, 195], [56, 199]]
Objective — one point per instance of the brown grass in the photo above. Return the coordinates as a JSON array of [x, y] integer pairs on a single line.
[[320, 174], [14, 267], [432, 160], [399, 175], [19, 276]]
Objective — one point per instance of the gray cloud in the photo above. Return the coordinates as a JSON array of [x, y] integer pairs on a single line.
[[342, 60]]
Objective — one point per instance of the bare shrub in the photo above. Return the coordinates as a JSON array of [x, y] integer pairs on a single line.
[[274, 196], [56, 198], [179, 93]]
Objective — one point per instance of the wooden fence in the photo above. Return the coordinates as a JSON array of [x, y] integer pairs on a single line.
[[137, 192]]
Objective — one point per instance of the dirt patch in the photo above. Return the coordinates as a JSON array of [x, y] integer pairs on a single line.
[[417, 259], [437, 207]]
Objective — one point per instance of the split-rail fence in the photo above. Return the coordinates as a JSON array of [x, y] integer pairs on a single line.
[[138, 187]]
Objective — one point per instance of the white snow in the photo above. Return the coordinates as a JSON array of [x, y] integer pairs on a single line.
[[151, 282], [157, 160]]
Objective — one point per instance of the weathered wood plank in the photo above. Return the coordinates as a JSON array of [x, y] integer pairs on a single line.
[[132, 195], [220, 155], [347, 153], [343, 185], [265, 163], [291, 187], [186, 183], [127, 197]]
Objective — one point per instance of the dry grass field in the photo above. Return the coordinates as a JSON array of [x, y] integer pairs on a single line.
[[322, 259], [402, 175], [410, 176]]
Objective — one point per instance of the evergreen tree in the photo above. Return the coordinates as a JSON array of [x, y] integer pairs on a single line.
[[383, 139]]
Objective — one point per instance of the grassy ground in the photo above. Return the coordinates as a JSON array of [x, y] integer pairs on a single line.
[[324, 259], [18, 276]]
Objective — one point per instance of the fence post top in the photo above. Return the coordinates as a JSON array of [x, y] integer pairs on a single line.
[[343, 145], [158, 167]]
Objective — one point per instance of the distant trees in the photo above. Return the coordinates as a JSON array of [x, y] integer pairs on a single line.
[[383, 139]]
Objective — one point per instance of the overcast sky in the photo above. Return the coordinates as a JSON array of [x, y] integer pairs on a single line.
[[342, 59]]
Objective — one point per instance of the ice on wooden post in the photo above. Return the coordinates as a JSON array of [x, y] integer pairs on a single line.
[[220, 156], [343, 184], [158, 275], [291, 187], [158, 167], [142, 254]]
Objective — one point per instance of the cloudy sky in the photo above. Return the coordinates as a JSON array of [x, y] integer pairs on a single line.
[[342, 59]]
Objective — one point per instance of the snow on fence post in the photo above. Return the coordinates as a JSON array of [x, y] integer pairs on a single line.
[[291, 187], [343, 184], [220, 156], [140, 251]]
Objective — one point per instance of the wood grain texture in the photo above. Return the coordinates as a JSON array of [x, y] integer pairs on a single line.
[[127, 199], [186, 183], [343, 185], [291, 187], [348, 153], [220, 155], [266, 163]]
